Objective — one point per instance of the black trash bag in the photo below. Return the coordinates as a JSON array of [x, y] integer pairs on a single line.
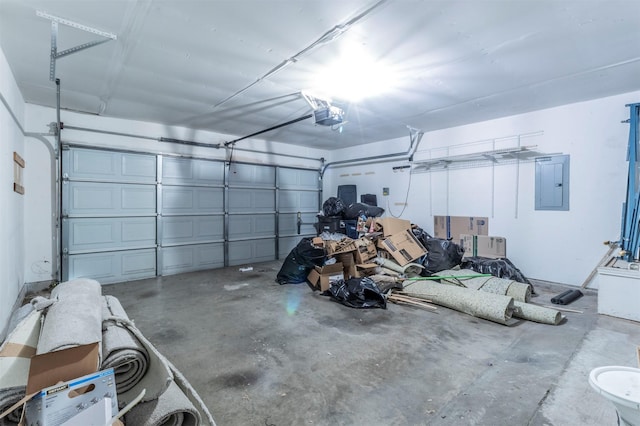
[[333, 206], [422, 235], [501, 268], [362, 293], [355, 210], [298, 263], [441, 254]]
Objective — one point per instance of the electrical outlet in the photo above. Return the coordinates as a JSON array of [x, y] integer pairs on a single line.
[[385, 191]]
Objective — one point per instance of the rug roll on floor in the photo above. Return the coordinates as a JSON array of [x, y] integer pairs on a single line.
[[492, 307], [121, 350], [172, 408], [537, 313], [519, 291], [137, 363], [15, 358], [75, 318]]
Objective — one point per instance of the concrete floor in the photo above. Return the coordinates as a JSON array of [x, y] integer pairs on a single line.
[[260, 353]]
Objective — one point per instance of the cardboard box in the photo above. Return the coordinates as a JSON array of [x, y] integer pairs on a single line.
[[391, 225], [454, 226], [49, 370], [317, 242], [484, 246], [343, 246], [404, 247], [365, 251], [60, 403], [322, 276], [366, 269], [348, 264]]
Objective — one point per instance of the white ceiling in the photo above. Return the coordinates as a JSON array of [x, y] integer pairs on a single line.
[[207, 64]]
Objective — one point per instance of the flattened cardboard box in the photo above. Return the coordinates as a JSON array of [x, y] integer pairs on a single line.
[[404, 247], [322, 276], [392, 225]]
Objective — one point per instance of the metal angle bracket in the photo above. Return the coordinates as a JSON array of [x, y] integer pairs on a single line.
[[54, 39]]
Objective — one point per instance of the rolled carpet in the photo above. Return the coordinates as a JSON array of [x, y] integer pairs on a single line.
[[8, 397], [537, 313], [121, 350], [137, 363], [75, 318], [172, 408], [492, 307], [519, 291], [15, 358]]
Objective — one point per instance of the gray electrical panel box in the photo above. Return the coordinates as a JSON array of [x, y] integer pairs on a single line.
[[552, 183]]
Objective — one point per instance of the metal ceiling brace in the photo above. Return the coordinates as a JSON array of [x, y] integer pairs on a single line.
[[54, 39], [630, 231]]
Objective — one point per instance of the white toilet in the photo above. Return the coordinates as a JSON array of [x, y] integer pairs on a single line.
[[621, 386]]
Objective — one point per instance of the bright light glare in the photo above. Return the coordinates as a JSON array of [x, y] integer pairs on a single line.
[[354, 76]]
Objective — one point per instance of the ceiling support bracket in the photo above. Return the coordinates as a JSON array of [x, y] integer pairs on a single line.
[[54, 39]]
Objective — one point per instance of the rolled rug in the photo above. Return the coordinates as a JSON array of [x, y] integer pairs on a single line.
[[121, 350], [492, 307], [519, 291], [75, 318], [15, 358], [172, 408], [130, 362]]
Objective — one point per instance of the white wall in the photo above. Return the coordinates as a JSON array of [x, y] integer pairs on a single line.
[[12, 229], [558, 246]]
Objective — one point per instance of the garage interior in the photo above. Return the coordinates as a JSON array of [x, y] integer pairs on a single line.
[[178, 152]]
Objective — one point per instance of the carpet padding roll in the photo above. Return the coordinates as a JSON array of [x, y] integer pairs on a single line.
[[75, 318], [537, 313], [519, 291], [493, 307]]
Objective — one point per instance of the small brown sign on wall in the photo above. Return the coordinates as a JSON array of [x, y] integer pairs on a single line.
[[18, 165]]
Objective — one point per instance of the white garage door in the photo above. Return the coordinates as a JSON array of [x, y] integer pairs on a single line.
[[128, 215]]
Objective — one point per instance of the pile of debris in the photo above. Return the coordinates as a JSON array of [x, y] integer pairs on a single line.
[[397, 261]]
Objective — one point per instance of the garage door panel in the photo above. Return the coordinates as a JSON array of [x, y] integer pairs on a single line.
[[112, 267], [298, 179], [251, 200], [109, 166], [295, 201], [252, 226], [252, 175], [87, 234], [109, 199], [190, 229], [243, 252], [190, 258], [190, 171], [288, 223], [189, 200]]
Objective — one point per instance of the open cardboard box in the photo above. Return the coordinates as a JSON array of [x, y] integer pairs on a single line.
[[52, 373], [322, 276]]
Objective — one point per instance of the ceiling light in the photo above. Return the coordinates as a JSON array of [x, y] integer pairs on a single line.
[[354, 76]]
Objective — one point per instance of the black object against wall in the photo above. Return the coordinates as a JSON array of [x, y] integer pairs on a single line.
[[370, 199], [348, 194], [566, 297]]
